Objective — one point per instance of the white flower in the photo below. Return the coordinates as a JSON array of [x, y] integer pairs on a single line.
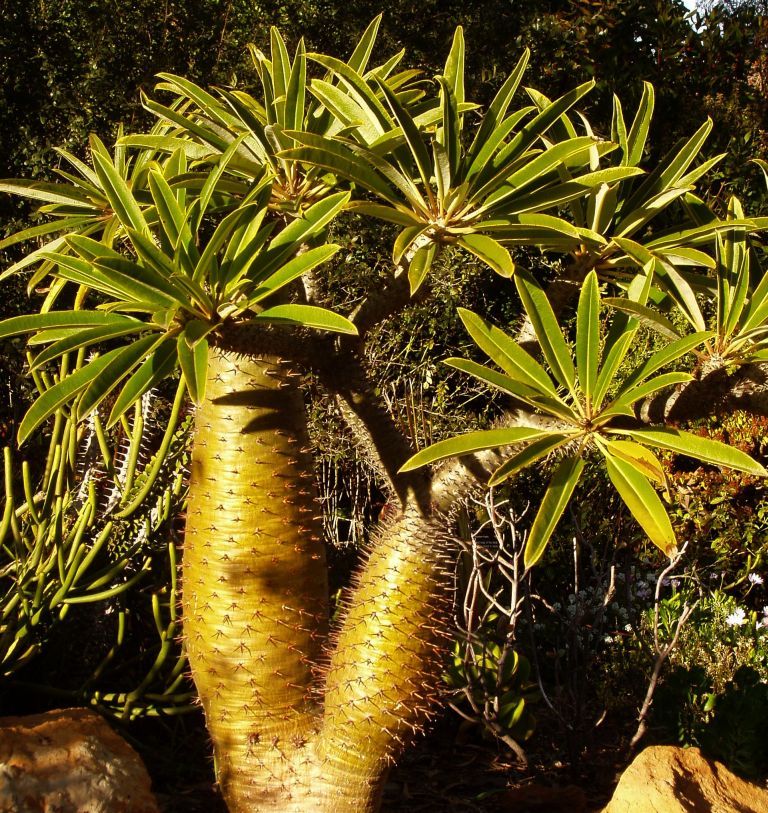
[[736, 618], [755, 578], [627, 628]]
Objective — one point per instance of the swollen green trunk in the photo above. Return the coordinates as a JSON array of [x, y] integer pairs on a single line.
[[384, 674], [254, 586], [256, 609]]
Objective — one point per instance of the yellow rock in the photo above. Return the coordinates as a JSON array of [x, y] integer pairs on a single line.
[[668, 779]]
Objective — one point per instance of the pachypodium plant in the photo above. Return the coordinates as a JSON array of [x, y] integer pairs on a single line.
[[203, 265]]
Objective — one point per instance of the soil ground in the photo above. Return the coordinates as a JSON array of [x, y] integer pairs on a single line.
[[450, 771]]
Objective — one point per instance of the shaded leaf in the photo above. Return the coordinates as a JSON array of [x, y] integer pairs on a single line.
[[559, 491]]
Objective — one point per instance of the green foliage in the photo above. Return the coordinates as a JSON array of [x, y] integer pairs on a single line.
[[715, 695], [495, 683], [210, 232], [94, 529], [581, 418], [724, 513]]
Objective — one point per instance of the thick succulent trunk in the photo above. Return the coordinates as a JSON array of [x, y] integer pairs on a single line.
[[254, 586], [384, 673], [256, 609]]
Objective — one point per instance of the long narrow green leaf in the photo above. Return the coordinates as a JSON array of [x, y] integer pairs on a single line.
[[345, 109], [536, 201], [634, 220], [588, 335], [700, 448], [454, 65], [172, 218], [294, 268], [449, 135], [498, 108], [157, 367], [84, 338], [209, 188], [490, 251], [673, 282], [505, 352], [312, 221], [411, 132], [119, 195], [391, 214], [672, 352], [644, 314], [64, 224], [559, 491], [296, 90], [31, 323], [332, 155], [362, 53], [207, 264], [47, 192], [621, 334], [532, 453], [359, 88], [139, 282], [515, 388], [62, 393], [194, 365], [619, 128], [118, 368], [538, 167], [169, 144], [638, 133], [642, 500], [471, 442], [547, 329], [537, 127], [671, 168], [420, 265], [484, 154], [641, 390], [307, 316], [643, 460]]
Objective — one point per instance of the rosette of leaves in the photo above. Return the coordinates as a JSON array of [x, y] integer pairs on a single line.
[[620, 226], [737, 288], [588, 401], [170, 291], [206, 123], [78, 203], [442, 191]]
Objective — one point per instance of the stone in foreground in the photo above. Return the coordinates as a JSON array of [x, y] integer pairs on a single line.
[[668, 779], [69, 761]]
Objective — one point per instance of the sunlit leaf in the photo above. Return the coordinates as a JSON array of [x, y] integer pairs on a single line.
[[558, 493]]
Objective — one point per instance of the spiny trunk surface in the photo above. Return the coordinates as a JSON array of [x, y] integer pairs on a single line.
[[383, 678], [256, 609], [254, 582]]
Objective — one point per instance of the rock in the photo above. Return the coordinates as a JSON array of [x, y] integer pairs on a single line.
[[69, 761], [668, 779]]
